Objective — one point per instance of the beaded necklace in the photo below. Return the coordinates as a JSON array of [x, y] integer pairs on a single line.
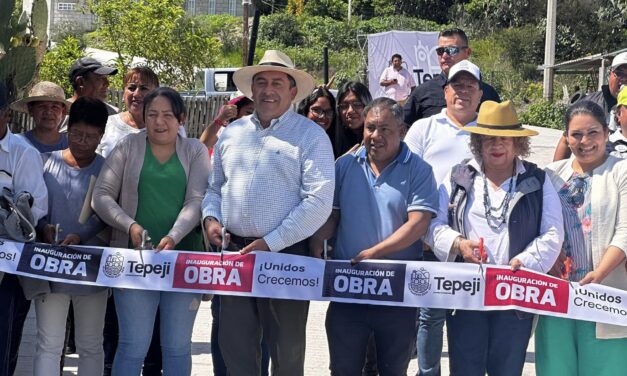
[[496, 221]]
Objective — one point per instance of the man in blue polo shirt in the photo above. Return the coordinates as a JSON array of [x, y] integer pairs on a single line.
[[385, 197]]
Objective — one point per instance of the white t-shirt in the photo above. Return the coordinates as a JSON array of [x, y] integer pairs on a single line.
[[116, 130], [401, 90]]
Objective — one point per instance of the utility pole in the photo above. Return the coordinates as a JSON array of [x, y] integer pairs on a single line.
[[349, 10], [246, 5], [549, 49]]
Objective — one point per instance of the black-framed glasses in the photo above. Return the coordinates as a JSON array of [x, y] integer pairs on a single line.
[[451, 50], [319, 112], [577, 190], [357, 106]]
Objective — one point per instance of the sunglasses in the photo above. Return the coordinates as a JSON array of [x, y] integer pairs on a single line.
[[451, 51], [357, 106]]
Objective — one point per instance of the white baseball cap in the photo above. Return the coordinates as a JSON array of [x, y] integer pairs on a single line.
[[464, 66], [619, 60]]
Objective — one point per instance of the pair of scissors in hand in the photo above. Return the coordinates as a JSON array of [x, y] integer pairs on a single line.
[[146, 243]]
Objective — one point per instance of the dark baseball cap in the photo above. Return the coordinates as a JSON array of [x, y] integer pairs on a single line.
[[88, 64], [4, 95]]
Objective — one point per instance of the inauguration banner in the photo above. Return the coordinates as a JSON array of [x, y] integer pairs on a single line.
[[417, 49], [276, 275]]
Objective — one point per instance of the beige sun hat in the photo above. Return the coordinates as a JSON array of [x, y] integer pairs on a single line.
[[499, 119], [275, 61], [44, 91]]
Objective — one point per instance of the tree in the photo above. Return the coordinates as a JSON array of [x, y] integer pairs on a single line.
[[159, 31], [57, 62]]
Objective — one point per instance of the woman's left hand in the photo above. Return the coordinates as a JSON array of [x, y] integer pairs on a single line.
[[165, 243], [592, 277], [515, 264]]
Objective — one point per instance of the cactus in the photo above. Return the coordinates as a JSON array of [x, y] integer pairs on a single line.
[[22, 44]]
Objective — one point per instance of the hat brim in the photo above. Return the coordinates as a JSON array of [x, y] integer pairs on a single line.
[[22, 104], [105, 71], [243, 79], [485, 131]]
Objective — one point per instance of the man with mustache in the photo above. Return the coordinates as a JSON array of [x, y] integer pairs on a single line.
[[271, 188]]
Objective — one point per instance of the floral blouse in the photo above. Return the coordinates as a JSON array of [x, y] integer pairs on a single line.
[[577, 211]]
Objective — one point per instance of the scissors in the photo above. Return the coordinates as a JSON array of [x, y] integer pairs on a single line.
[[568, 266], [483, 256], [146, 243], [57, 230], [226, 240]]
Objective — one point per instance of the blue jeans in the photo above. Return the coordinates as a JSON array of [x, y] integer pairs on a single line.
[[136, 311], [494, 342], [429, 342], [13, 311], [349, 327]]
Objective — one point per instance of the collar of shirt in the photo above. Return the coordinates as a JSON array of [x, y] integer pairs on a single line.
[[5, 143], [403, 156], [617, 136], [520, 167], [443, 118], [274, 123]]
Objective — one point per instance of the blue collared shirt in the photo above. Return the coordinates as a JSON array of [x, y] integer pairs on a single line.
[[372, 208]]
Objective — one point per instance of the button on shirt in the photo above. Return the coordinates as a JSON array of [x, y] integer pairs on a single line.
[[440, 142], [401, 90], [21, 169], [372, 208], [276, 183]]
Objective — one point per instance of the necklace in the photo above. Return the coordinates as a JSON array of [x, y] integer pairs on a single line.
[[495, 221]]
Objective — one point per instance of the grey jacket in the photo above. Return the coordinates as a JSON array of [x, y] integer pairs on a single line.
[[115, 195]]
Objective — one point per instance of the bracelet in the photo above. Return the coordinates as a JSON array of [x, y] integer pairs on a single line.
[[219, 122], [456, 243]]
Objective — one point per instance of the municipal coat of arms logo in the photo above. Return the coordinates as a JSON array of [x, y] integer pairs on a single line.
[[419, 282], [114, 265]]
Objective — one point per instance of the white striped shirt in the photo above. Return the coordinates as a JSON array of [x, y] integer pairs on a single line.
[[276, 183]]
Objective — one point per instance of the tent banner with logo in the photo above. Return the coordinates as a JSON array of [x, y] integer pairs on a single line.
[[283, 276]]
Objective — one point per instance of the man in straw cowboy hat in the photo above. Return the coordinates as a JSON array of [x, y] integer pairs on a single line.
[[498, 209], [21, 170], [271, 188], [47, 106]]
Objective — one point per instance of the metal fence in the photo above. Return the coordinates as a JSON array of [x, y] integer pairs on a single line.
[[200, 112]]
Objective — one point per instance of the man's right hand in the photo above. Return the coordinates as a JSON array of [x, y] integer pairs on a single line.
[[214, 231]]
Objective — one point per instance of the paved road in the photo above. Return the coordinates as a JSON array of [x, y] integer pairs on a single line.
[[317, 358]]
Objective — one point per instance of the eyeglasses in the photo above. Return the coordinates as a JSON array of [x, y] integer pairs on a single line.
[[357, 106], [80, 137], [319, 112], [577, 190], [451, 50]]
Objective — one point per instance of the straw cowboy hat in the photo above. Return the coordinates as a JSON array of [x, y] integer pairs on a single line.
[[274, 61], [45, 91], [499, 119]]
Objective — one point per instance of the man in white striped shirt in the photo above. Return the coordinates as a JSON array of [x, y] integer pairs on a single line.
[[271, 187]]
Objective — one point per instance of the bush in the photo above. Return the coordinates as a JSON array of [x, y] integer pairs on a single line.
[[57, 62], [544, 114], [282, 28]]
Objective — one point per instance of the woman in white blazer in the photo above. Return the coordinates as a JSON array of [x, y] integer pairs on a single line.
[[592, 186]]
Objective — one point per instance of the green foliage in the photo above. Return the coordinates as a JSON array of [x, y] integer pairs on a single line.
[[282, 28], [403, 23], [57, 63], [227, 28], [544, 114], [160, 32], [22, 43], [336, 9], [325, 31]]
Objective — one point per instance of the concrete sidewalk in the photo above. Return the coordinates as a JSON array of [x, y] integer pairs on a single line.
[[317, 357]]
